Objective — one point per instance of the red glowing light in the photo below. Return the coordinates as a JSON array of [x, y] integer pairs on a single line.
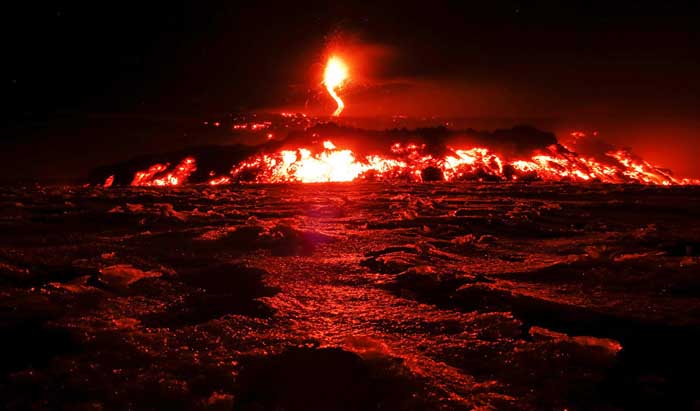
[[219, 181], [334, 77], [156, 175], [409, 161], [328, 163]]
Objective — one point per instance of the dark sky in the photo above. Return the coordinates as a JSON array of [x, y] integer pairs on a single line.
[[628, 69]]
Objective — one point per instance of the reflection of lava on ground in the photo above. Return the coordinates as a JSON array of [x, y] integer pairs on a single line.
[[350, 296]]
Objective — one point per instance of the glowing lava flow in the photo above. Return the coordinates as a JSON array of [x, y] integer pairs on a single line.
[[219, 181], [324, 162], [410, 163], [330, 165], [158, 175], [335, 75]]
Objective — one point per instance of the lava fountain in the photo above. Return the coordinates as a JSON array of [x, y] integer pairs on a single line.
[[335, 75]]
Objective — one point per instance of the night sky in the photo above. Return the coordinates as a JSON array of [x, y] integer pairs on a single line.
[[72, 70]]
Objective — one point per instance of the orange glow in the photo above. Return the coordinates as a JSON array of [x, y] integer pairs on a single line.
[[108, 182], [641, 170], [303, 166], [325, 162], [158, 174], [335, 75], [219, 181], [408, 162]]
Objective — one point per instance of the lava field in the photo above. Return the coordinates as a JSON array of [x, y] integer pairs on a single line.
[[350, 296]]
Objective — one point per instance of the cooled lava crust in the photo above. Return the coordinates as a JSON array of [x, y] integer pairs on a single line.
[[350, 297]]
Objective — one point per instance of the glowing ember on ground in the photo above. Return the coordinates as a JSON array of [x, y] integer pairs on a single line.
[[335, 75]]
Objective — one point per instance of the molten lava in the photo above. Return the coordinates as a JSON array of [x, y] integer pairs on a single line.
[[108, 182], [406, 161], [410, 162], [159, 175], [330, 165], [335, 75], [219, 181], [324, 162]]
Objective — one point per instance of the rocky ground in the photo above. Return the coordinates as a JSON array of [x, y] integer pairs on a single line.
[[350, 297]]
